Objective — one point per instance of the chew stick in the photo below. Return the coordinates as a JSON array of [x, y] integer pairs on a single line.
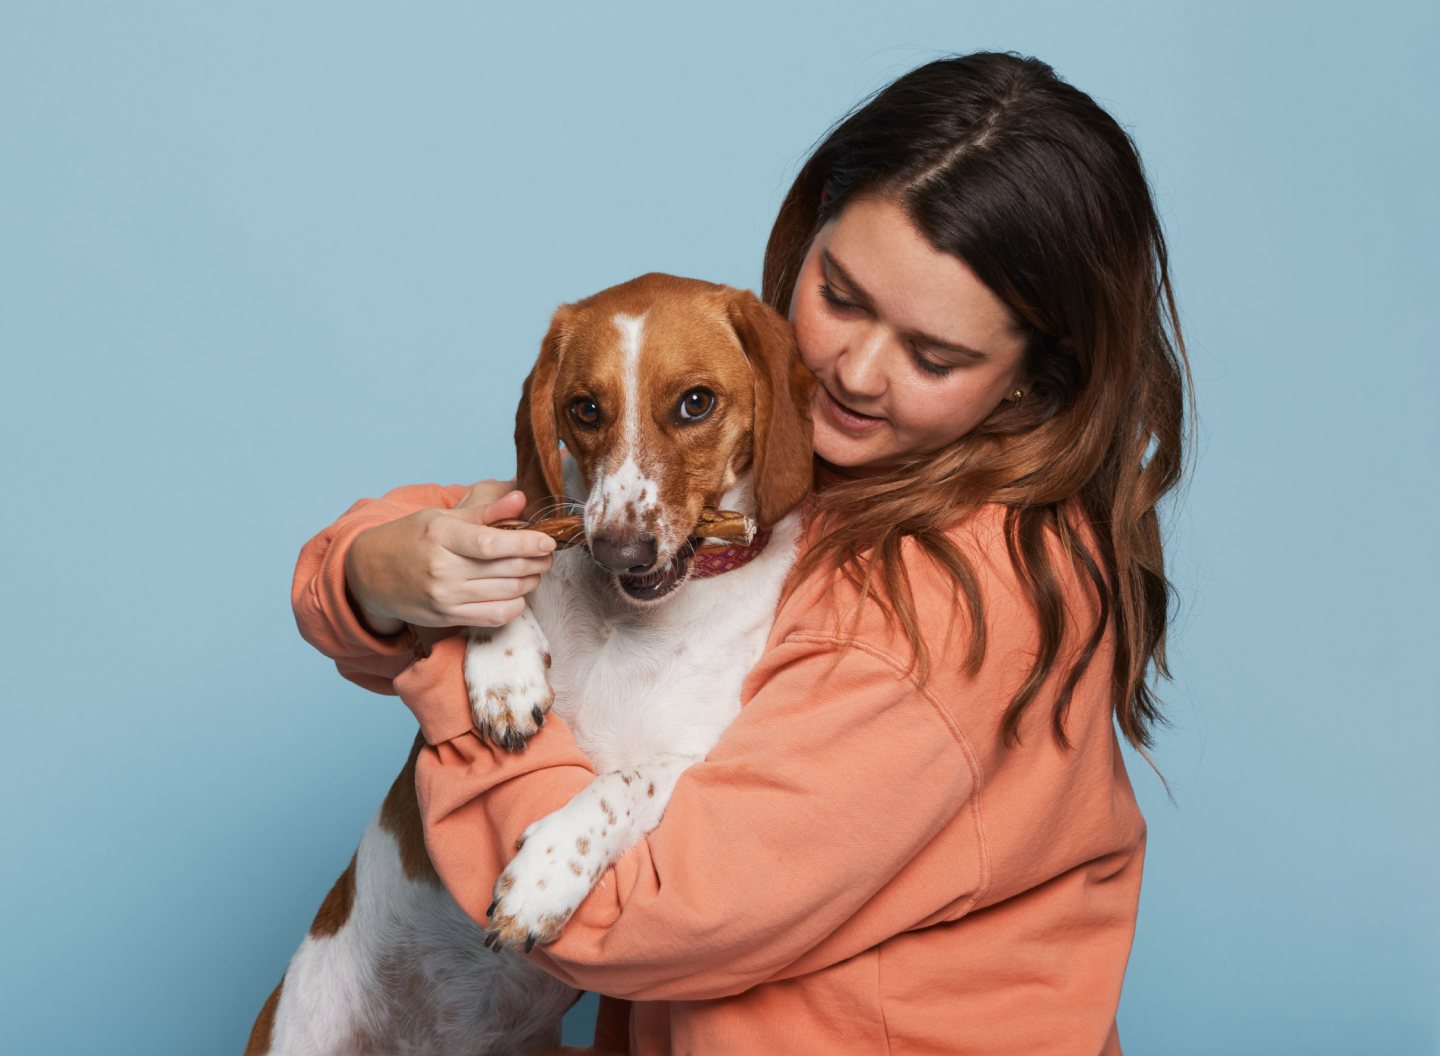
[[725, 525], [566, 531]]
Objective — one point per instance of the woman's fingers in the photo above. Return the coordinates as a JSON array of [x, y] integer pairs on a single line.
[[439, 568], [453, 601], [482, 543], [489, 613], [509, 504], [502, 568], [486, 492], [490, 603], [490, 589]]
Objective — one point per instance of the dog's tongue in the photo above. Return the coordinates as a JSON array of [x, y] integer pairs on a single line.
[[656, 584]]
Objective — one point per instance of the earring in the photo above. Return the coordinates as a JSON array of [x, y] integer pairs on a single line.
[[1018, 395]]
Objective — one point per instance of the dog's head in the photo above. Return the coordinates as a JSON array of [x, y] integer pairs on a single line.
[[664, 390]]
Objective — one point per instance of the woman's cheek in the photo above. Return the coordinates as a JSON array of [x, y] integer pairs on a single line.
[[937, 419], [804, 332], [818, 340]]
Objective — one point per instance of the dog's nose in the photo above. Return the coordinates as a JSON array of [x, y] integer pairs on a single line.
[[635, 554]]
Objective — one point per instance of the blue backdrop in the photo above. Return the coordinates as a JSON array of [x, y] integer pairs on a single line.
[[257, 261]]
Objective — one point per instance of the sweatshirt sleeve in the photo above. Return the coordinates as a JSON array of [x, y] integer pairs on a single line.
[[778, 855], [322, 605]]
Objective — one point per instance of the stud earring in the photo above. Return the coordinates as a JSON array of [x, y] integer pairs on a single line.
[[1018, 395]]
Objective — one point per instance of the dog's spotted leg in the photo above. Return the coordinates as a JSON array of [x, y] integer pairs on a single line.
[[505, 675], [563, 854]]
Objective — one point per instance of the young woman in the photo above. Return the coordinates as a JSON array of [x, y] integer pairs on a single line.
[[919, 834]]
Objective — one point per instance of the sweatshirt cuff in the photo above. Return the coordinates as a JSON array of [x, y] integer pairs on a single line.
[[433, 687], [330, 597]]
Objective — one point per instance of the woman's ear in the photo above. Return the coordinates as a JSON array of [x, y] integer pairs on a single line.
[[537, 443], [783, 465]]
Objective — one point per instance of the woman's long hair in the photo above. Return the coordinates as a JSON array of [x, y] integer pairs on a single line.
[[1042, 194]]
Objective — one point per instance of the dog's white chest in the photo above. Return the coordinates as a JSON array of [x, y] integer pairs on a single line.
[[635, 683]]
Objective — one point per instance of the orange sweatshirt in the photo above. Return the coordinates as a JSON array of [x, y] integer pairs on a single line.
[[861, 865]]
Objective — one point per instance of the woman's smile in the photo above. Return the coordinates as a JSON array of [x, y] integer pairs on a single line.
[[847, 418]]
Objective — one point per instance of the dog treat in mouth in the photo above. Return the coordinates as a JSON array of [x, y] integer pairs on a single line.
[[566, 531], [726, 525]]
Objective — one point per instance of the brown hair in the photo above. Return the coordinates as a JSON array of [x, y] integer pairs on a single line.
[[1042, 194]]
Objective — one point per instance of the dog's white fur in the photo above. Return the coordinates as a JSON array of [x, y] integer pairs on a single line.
[[408, 973], [647, 690]]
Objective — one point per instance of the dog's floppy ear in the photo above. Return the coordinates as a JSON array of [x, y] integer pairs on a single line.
[[537, 444], [783, 387]]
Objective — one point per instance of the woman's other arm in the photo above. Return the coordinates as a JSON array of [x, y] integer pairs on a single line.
[[777, 855], [842, 807]]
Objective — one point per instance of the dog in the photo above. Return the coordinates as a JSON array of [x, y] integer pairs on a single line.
[[670, 395]]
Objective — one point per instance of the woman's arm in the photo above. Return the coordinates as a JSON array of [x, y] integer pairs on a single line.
[[421, 555], [776, 855]]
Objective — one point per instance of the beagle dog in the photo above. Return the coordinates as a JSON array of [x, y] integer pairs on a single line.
[[670, 396]]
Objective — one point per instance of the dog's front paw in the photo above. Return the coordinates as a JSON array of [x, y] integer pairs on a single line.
[[540, 890], [505, 676]]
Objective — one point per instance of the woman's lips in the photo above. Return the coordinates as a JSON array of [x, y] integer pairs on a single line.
[[848, 420]]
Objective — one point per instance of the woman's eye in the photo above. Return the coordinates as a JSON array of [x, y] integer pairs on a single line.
[[834, 298], [938, 370], [696, 403], [585, 411]]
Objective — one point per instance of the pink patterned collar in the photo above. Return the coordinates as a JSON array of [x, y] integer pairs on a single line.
[[719, 558]]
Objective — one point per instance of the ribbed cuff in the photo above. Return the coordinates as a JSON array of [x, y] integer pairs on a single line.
[[329, 595], [433, 687]]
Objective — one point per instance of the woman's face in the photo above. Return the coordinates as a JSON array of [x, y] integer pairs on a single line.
[[911, 349]]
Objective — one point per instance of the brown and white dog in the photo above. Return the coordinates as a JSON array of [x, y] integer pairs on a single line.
[[671, 395]]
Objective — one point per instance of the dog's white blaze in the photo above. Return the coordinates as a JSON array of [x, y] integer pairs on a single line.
[[632, 335], [625, 487]]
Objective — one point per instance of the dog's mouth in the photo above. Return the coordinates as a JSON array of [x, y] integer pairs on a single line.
[[655, 585]]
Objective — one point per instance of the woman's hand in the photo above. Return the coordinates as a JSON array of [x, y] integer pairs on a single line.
[[445, 568]]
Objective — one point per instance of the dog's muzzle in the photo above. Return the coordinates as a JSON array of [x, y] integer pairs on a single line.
[[632, 556], [651, 586]]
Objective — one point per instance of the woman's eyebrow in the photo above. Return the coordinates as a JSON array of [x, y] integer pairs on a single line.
[[949, 346], [859, 293], [845, 276]]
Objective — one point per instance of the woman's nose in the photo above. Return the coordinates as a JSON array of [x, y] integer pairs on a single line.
[[861, 367]]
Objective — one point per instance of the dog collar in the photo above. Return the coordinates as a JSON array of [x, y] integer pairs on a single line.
[[719, 558]]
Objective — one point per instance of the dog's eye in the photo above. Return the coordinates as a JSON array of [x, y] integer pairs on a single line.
[[585, 411], [696, 403]]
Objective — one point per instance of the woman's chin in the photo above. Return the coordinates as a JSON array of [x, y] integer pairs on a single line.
[[851, 453]]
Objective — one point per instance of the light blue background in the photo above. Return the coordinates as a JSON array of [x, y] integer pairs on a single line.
[[259, 260]]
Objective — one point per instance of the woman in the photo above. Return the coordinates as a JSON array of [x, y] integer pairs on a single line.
[[919, 834]]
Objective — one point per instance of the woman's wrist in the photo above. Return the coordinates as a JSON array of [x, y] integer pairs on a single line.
[[378, 625]]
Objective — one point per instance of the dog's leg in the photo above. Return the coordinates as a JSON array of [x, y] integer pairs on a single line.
[[505, 676], [563, 854], [393, 965]]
